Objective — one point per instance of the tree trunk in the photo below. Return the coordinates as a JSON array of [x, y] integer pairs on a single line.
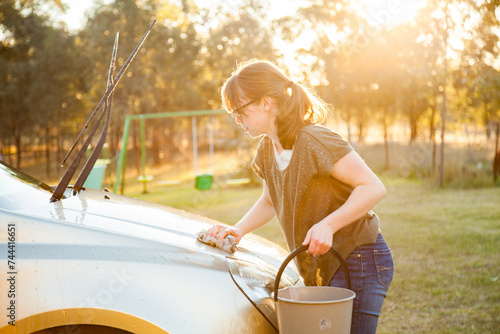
[[156, 144], [361, 134], [386, 142], [444, 112], [434, 153], [348, 123], [361, 121], [349, 136], [413, 121], [6, 150], [18, 143], [137, 147], [432, 137], [2, 148], [443, 129], [47, 152], [496, 159]]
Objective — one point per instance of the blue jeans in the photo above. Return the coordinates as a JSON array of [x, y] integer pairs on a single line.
[[371, 269]]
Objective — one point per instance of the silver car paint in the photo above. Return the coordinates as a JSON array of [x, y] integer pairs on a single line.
[[133, 257]]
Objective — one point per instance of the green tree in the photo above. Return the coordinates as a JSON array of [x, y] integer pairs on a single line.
[[238, 36], [162, 76], [386, 78], [333, 61], [474, 72], [34, 83], [55, 91]]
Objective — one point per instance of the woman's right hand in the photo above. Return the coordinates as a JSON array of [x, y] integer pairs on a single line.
[[222, 231]]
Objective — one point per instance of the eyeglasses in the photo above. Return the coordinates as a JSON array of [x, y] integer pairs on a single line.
[[237, 110]]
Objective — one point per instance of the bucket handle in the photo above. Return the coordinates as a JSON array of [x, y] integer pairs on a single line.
[[300, 250]]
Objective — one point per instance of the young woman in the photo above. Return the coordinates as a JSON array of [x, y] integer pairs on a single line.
[[320, 189]]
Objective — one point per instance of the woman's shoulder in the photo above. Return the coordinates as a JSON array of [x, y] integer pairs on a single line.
[[321, 132], [319, 139], [265, 141], [265, 145]]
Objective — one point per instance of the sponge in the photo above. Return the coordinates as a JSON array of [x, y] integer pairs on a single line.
[[227, 244]]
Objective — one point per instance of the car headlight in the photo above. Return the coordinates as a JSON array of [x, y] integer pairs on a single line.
[[256, 282]]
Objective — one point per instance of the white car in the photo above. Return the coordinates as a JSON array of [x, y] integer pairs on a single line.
[[77, 260], [97, 262]]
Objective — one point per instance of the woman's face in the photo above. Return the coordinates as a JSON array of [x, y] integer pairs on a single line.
[[255, 118]]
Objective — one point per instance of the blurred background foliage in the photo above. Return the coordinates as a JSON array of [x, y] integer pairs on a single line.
[[432, 75]]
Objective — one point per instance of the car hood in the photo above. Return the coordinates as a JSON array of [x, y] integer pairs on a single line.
[[127, 218], [102, 226]]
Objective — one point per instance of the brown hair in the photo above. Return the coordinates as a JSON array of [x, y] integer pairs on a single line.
[[297, 105]]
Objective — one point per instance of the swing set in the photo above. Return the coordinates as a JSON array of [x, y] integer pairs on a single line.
[[203, 181]]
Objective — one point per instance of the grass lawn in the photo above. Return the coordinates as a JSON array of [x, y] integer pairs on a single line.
[[445, 244]]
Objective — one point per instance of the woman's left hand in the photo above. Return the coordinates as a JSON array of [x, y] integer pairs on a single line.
[[319, 238]]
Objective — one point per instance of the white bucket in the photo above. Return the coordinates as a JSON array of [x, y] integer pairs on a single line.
[[313, 309]]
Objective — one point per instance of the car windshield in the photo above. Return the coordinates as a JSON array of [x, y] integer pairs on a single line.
[[19, 190]]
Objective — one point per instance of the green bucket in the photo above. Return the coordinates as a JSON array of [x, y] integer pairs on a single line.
[[204, 182], [96, 176]]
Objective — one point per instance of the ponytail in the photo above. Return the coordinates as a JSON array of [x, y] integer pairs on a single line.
[[298, 108]]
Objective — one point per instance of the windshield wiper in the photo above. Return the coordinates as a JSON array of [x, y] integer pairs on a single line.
[[106, 102], [107, 110]]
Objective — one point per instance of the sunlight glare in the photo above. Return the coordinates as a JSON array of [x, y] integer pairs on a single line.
[[388, 13]]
